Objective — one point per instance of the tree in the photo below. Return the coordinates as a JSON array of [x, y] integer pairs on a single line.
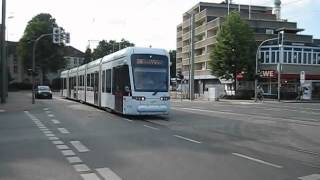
[[49, 56], [87, 56], [104, 47], [172, 54], [234, 52]]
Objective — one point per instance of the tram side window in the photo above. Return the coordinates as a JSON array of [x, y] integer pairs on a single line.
[[92, 80], [104, 81], [108, 81], [120, 80], [88, 81]]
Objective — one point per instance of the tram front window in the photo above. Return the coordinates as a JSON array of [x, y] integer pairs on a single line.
[[150, 73], [150, 79]]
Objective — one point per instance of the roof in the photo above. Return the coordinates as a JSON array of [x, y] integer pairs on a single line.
[[72, 52]]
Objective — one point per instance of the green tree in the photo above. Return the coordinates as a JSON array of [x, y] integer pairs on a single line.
[[49, 56], [234, 51], [172, 54], [104, 47], [87, 56]]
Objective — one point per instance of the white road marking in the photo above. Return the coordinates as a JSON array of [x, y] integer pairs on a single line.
[[79, 146], [54, 121], [81, 168], [48, 112], [63, 131], [188, 139], [50, 135], [90, 176], [47, 132], [68, 153], [53, 138], [62, 147], [50, 115], [45, 109], [44, 129], [108, 174], [310, 177], [57, 142], [2, 110], [129, 120], [74, 159], [151, 127], [257, 160]]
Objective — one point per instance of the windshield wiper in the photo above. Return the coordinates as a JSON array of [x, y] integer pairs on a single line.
[[155, 93]]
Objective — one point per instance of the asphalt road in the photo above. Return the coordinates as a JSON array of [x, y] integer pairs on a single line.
[[63, 139]]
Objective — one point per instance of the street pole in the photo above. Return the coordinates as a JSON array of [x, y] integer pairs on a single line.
[[256, 73], [4, 78], [279, 65], [191, 73], [34, 64]]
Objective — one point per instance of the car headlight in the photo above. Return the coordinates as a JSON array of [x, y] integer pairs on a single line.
[[139, 98], [165, 98]]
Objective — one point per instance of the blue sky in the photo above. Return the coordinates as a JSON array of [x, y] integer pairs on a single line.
[[144, 22]]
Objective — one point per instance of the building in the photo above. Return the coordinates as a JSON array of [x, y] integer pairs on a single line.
[[73, 56], [19, 74], [300, 51]]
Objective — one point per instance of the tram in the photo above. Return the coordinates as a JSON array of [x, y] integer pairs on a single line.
[[132, 81]]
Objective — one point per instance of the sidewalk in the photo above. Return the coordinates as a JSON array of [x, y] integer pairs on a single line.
[[17, 102]]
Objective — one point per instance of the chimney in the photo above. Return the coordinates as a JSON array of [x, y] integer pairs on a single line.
[[277, 9]]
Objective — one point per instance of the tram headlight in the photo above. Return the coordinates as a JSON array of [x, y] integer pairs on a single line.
[[165, 98], [139, 98]]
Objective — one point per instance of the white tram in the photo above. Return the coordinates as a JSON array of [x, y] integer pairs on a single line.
[[133, 81]]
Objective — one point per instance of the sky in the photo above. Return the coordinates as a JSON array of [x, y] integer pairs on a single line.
[[143, 22]]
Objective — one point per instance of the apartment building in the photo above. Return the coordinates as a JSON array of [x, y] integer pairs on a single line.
[[266, 23]]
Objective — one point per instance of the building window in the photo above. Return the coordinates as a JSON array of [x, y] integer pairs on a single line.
[[273, 57], [314, 58], [262, 57], [267, 57], [318, 58], [285, 57], [304, 58], [289, 57], [299, 56], [309, 58]]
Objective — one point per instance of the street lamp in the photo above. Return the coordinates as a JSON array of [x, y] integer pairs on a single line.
[[191, 58], [257, 54]]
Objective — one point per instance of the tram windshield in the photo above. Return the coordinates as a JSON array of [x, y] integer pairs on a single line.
[[150, 73]]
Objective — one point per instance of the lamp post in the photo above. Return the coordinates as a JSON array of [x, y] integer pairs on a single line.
[[279, 63], [34, 63], [4, 78], [191, 58], [256, 71]]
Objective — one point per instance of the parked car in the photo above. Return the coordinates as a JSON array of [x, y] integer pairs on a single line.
[[43, 92]]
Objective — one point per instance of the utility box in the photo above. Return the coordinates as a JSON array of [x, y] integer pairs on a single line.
[[213, 93]]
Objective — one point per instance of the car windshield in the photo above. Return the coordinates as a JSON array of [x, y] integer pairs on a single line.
[[43, 88]]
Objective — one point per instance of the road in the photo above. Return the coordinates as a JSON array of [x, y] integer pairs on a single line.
[[63, 139]]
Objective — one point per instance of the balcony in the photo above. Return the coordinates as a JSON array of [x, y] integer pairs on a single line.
[[179, 34], [179, 44], [185, 61], [186, 23], [197, 73], [201, 15], [201, 58], [186, 48], [213, 24], [205, 42], [179, 66], [186, 36], [179, 55], [200, 29]]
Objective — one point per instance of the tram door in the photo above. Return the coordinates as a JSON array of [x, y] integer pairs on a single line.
[[120, 81], [96, 88]]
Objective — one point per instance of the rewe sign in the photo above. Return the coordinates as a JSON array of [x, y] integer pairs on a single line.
[[267, 73]]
